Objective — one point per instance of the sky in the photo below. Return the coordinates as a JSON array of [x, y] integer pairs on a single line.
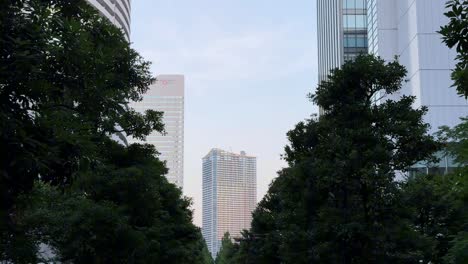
[[248, 66]]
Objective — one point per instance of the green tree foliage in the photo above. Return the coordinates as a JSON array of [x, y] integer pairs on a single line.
[[125, 211], [66, 77], [206, 255], [457, 144], [455, 35], [439, 203], [338, 201], [227, 252], [437, 210]]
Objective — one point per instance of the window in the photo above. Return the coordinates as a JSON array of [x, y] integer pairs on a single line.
[[349, 4], [349, 21], [361, 21], [349, 41], [354, 21], [354, 4], [360, 4], [361, 41]]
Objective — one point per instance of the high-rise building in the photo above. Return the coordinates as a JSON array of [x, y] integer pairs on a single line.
[[342, 33], [408, 29], [117, 11], [167, 95], [229, 195]]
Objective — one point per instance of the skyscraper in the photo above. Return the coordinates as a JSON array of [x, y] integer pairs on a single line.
[[342, 33], [167, 95], [408, 29], [229, 195], [117, 11]]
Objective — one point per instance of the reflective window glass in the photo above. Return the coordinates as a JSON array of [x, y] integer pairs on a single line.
[[349, 4], [360, 4], [360, 21], [349, 21], [350, 41], [361, 41]]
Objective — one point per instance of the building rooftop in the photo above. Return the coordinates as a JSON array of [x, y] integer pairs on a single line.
[[224, 152]]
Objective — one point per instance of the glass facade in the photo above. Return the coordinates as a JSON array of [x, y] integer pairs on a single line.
[[342, 32], [354, 28], [444, 166]]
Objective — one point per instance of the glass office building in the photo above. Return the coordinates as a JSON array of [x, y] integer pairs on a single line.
[[167, 95], [229, 195], [342, 33]]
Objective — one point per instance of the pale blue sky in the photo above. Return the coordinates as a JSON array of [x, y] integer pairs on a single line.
[[248, 66]]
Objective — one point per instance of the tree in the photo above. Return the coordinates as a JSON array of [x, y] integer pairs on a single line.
[[455, 35], [227, 251], [66, 77], [456, 140], [206, 255], [123, 212], [338, 201], [280, 227], [437, 210]]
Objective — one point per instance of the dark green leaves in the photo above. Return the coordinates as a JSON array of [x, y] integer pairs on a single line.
[[67, 76], [455, 34], [338, 201]]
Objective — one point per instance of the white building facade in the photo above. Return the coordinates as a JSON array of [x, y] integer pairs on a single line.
[[167, 95], [229, 195], [117, 11], [408, 29]]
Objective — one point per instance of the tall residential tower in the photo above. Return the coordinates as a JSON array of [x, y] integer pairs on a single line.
[[229, 195], [167, 95]]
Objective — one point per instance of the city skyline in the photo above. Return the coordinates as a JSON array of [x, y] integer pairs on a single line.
[[246, 83], [224, 83], [235, 131]]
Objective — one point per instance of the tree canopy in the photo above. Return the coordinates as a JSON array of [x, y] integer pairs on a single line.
[[455, 36], [338, 202], [66, 78], [227, 252]]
